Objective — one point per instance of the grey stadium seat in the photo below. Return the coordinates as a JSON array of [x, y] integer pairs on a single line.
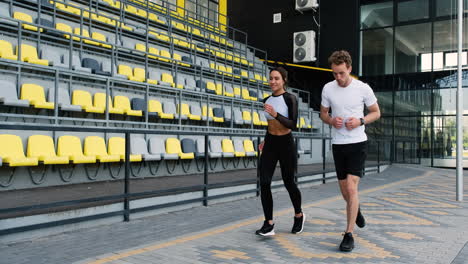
[[216, 151], [53, 55], [227, 113], [195, 109], [138, 147], [190, 83], [200, 147], [63, 100], [238, 145], [9, 96], [170, 108], [238, 117]]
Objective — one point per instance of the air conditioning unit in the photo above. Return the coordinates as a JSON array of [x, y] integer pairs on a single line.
[[303, 5], [304, 46]]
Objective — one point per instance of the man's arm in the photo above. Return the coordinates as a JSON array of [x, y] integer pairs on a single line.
[[373, 115], [337, 122], [326, 118]]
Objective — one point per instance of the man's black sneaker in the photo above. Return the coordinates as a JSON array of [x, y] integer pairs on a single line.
[[360, 221], [266, 230], [298, 224], [347, 244]]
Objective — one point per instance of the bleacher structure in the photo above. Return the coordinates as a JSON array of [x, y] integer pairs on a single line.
[[122, 65]]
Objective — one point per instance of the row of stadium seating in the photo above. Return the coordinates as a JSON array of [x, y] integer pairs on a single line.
[[33, 95], [54, 57], [108, 39], [41, 149]]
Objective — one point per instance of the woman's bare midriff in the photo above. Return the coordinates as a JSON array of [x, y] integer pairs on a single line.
[[277, 129]]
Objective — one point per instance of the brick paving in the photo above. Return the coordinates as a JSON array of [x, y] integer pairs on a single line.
[[411, 213]]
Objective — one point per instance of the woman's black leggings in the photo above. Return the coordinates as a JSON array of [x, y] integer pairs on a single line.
[[280, 148]]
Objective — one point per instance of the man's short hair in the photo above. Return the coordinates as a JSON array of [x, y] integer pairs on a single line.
[[340, 56]]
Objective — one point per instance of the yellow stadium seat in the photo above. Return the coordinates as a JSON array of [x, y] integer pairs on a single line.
[[219, 89], [125, 70], [95, 146], [29, 54], [131, 9], [122, 102], [249, 147], [42, 148], [83, 99], [166, 77], [26, 18], [237, 91], [154, 51], [12, 152], [246, 116], [166, 56], [244, 74], [123, 26], [140, 47], [256, 119], [70, 146], [211, 86], [36, 96], [156, 107], [178, 25], [265, 94], [6, 50], [100, 102], [173, 147], [197, 32], [99, 18], [228, 147], [182, 43], [65, 28], [245, 94], [102, 38], [185, 110], [178, 58], [139, 74], [116, 146], [85, 33]]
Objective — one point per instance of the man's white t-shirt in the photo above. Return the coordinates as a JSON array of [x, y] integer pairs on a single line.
[[348, 102]]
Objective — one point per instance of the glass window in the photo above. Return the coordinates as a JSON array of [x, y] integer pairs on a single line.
[[203, 10], [413, 10], [172, 4], [213, 13], [377, 52], [191, 8], [449, 7], [413, 94], [445, 92], [377, 15], [410, 43]]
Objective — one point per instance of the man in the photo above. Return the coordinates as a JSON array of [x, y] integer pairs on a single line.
[[346, 97]]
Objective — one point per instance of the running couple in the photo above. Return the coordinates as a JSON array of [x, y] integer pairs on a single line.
[[346, 97]]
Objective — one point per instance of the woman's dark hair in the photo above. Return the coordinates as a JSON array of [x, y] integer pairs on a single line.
[[284, 75]]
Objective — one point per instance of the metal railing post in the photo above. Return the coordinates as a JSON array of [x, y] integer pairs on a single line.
[[127, 178], [205, 175]]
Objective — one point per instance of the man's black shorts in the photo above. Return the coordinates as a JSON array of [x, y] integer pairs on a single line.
[[349, 159]]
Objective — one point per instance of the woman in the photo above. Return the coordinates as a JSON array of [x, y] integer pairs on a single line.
[[281, 112]]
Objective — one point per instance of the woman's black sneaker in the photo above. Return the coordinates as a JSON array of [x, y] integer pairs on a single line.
[[266, 230], [347, 244], [298, 224], [360, 221]]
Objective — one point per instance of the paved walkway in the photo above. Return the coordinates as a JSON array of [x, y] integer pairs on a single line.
[[411, 214]]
